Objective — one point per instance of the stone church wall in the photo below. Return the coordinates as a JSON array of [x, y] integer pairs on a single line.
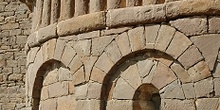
[[15, 24]]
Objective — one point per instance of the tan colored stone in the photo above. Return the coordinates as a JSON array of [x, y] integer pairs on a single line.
[[130, 3], [66, 9], [54, 11], [123, 90], [68, 54], [45, 20], [199, 88], [173, 91], [99, 44], [104, 63], [64, 74], [149, 2], [162, 76], [216, 72], [97, 75], [178, 45], [116, 30], [58, 89], [44, 93], [136, 37], [151, 33], [209, 47], [89, 35], [81, 24], [71, 88], [89, 63], [174, 104], [197, 25], [131, 73], [50, 104], [66, 103], [113, 52], [51, 77], [31, 55], [81, 91], [95, 6], [59, 49], [123, 43], [79, 76], [190, 57], [94, 90], [119, 104], [83, 48], [188, 90], [47, 33], [75, 64], [144, 67], [88, 105], [113, 4], [148, 78], [80, 7], [214, 24], [181, 73], [51, 48], [164, 37], [216, 86], [207, 104], [199, 71]]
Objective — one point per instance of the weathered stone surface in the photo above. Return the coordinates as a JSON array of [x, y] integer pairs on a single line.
[[95, 6], [214, 24], [97, 75], [46, 13], [173, 104], [58, 89], [162, 76], [137, 39], [181, 73], [149, 2], [199, 71], [119, 104], [104, 60], [209, 46], [113, 52], [51, 77], [83, 48], [178, 45], [81, 91], [89, 63], [44, 93], [50, 104], [216, 86], [68, 54], [164, 37], [199, 88], [66, 103], [59, 49], [190, 57], [123, 90], [112, 4], [88, 35], [197, 24], [88, 105], [201, 104], [75, 64], [188, 90], [173, 91], [94, 91], [66, 9], [151, 33], [79, 76], [123, 43], [144, 67], [81, 23], [64, 74], [217, 70], [47, 33], [116, 30], [99, 44]]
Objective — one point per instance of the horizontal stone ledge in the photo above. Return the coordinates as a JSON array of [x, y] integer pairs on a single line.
[[82, 23]]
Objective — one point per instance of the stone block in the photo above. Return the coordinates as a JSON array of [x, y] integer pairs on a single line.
[[162, 76], [119, 104], [66, 9], [174, 104], [113, 31], [123, 44], [47, 33], [123, 90], [79, 77], [216, 72], [199, 88], [94, 90], [145, 67], [88, 35], [83, 48], [50, 104], [59, 49], [178, 45], [58, 89], [44, 93], [66, 103], [216, 86], [165, 35], [97, 75], [89, 63], [188, 90], [190, 57], [95, 6], [88, 104], [209, 47], [104, 60], [81, 24], [207, 104], [64, 74], [81, 92], [214, 25], [137, 39], [51, 77], [113, 52], [68, 54], [99, 44], [151, 33], [75, 64], [181, 73]]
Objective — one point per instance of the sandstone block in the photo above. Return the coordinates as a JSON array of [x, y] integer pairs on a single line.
[[95, 6], [59, 49], [83, 48], [89, 63], [97, 75], [58, 89], [113, 4], [51, 77], [137, 39], [190, 57], [47, 33], [117, 30], [81, 24], [181, 73], [164, 37], [64, 74], [178, 45], [51, 48], [216, 86], [188, 90], [173, 104], [123, 90], [199, 88], [44, 93], [81, 91], [50, 104], [145, 67], [68, 54], [94, 91], [89, 35], [151, 33], [209, 47], [75, 64], [88, 105], [79, 77], [118, 104], [217, 71], [113, 52], [123, 44], [214, 25], [104, 60], [212, 103], [80, 7], [99, 44], [66, 103]]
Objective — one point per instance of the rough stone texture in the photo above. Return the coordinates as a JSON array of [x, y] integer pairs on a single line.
[[188, 90], [217, 87], [136, 37], [123, 43], [201, 104], [181, 73], [167, 104], [214, 24], [199, 88], [197, 25]]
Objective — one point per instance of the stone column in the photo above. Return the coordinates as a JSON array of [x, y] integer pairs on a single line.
[[130, 3], [34, 23], [67, 9], [38, 14], [81, 7], [113, 4], [95, 5], [55, 5], [46, 13]]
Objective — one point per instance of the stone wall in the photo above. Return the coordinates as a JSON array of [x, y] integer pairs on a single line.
[[15, 23]]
